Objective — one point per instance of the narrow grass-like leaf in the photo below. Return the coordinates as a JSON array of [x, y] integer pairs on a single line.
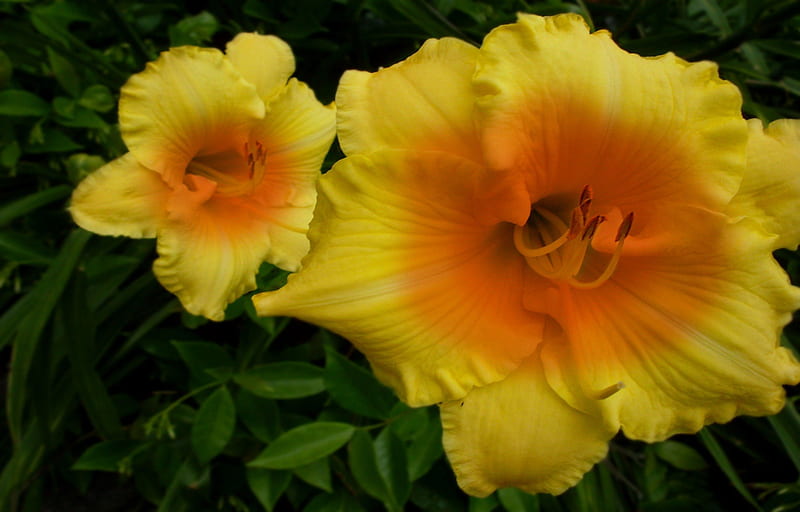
[[355, 388], [787, 425], [282, 380], [79, 338], [268, 485], [726, 466], [24, 249], [213, 425], [303, 445], [29, 203], [47, 292]]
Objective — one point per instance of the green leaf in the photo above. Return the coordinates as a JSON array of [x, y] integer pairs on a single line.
[[355, 388], [787, 47], [304, 444], [425, 449], [282, 380], [514, 500], [47, 292], [364, 466], [390, 457], [680, 455], [65, 73], [725, 465], [97, 97], [201, 356], [486, 504], [260, 415], [213, 425], [6, 69], [52, 141], [787, 425], [108, 455], [317, 473], [337, 502], [268, 485], [193, 30], [24, 249], [78, 336], [32, 202], [15, 102]]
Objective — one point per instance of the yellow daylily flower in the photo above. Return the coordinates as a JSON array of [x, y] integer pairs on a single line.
[[557, 240], [224, 154]]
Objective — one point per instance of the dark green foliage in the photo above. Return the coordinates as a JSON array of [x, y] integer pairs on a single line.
[[118, 401]]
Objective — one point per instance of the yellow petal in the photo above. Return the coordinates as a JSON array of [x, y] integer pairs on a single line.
[[688, 327], [770, 190], [265, 61], [121, 198], [423, 102], [409, 261], [296, 134], [570, 109], [210, 250], [519, 433], [189, 102]]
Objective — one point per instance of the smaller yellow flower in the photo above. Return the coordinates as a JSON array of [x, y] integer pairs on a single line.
[[224, 157]]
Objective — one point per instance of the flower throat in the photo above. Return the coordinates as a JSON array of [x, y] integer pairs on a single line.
[[559, 251]]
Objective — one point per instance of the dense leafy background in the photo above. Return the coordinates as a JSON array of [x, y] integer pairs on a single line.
[[116, 400]]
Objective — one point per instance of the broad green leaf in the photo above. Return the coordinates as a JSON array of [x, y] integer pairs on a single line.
[[65, 73], [97, 97], [9, 155], [487, 504], [193, 30], [680, 455], [364, 466], [268, 485], [32, 202], [390, 457], [201, 356], [337, 502], [514, 500], [425, 449], [282, 380], [15, 102], [303, 445], [260, 415], [80, 165], [51, 141], [317, 473], [355, 388], [213, 425], [108, 455]]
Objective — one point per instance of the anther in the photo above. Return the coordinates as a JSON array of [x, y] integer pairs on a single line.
[[609, 391], [591, 227], [624, 227]]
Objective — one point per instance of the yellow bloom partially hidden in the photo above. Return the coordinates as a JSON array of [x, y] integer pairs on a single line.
[[223, 162]]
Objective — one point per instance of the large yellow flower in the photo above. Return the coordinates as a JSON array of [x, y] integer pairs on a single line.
[[556, 239], [223, 162]]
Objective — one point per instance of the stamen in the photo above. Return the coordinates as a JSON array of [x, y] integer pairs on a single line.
[[585, 201], [609, 391], [622, 233]]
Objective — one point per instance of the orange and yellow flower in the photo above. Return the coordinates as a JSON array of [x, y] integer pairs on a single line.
[[557, 239], [223, 159]]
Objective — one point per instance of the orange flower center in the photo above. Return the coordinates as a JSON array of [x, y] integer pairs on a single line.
[[235, 173], [561, 251]]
